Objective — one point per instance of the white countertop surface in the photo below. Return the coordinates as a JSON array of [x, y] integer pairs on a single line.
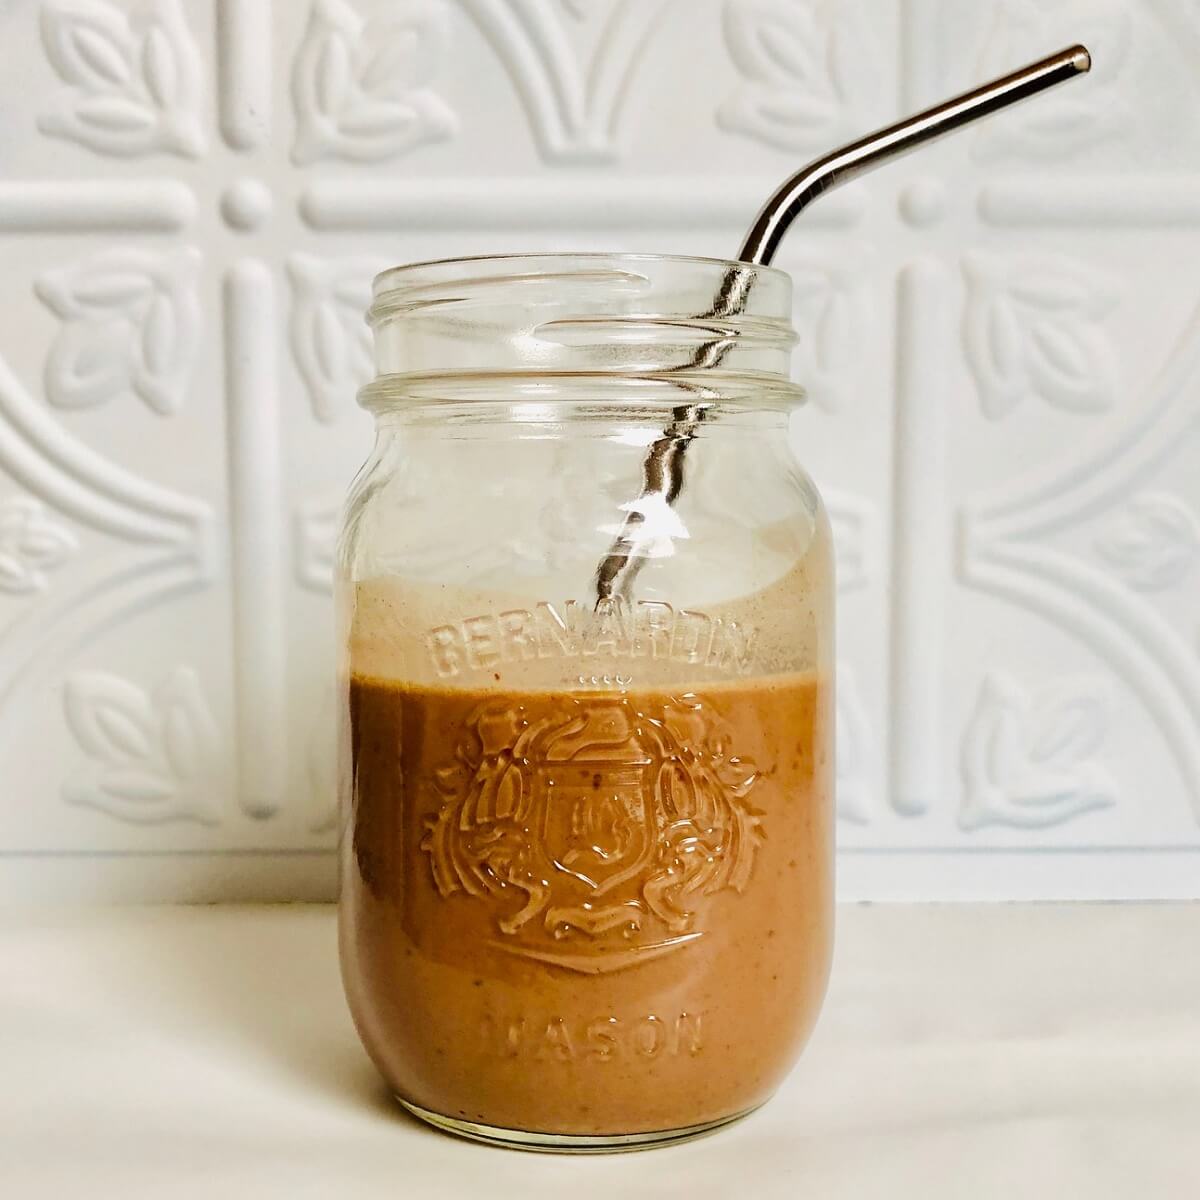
[[965, 1052]]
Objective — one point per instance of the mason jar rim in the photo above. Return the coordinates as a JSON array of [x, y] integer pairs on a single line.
[[561, 255], [557, 314], [435, 271]]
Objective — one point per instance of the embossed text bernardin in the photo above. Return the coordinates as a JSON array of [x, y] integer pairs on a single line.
[[615, 627]]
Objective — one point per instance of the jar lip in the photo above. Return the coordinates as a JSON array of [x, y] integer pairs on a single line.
[[437, 270], [549, 314], [523, 395]]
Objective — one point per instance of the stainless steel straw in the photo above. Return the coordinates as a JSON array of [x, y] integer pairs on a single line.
[[662, 471]]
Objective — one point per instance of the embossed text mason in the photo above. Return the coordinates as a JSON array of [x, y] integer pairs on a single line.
[[587, 747]]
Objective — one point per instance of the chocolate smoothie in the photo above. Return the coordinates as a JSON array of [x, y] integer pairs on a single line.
[[587, 866], [587, 912]]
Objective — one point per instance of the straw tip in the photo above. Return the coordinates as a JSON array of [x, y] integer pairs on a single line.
[[1081, 59]]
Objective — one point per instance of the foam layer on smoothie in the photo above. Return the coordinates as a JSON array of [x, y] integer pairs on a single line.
[[416, 632]]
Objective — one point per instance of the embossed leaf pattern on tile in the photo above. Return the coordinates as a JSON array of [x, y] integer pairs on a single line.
[[1154, 543], [853, 522], [1033, 327], [316, 530], [31, 544], [130, 325], [810, 71], [831, 313], [1066, 123], [133, 79], [1028, 760], [573, 76], [359, 84], [330, 340], [153, 758], [854, 749]]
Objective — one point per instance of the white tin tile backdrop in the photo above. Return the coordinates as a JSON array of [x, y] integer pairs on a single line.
[[1001, 339]]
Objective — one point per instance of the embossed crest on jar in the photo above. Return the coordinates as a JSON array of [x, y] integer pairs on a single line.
[[595, 830]]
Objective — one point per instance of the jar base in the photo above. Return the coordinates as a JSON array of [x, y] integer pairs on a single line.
[[567, 1143]]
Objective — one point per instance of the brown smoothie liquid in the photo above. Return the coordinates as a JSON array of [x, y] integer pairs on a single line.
[[594, 911]]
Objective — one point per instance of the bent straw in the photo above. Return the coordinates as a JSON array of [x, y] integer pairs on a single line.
[[662, 471]]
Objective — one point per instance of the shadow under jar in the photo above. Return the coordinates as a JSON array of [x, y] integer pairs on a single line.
[[587, 754]]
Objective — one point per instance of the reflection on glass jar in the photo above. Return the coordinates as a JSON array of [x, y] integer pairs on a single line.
[[586, 600]]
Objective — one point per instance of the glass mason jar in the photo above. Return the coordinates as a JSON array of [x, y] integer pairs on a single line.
[[586, 603]]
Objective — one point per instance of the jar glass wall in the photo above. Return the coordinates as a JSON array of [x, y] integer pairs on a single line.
[[585, 598]]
